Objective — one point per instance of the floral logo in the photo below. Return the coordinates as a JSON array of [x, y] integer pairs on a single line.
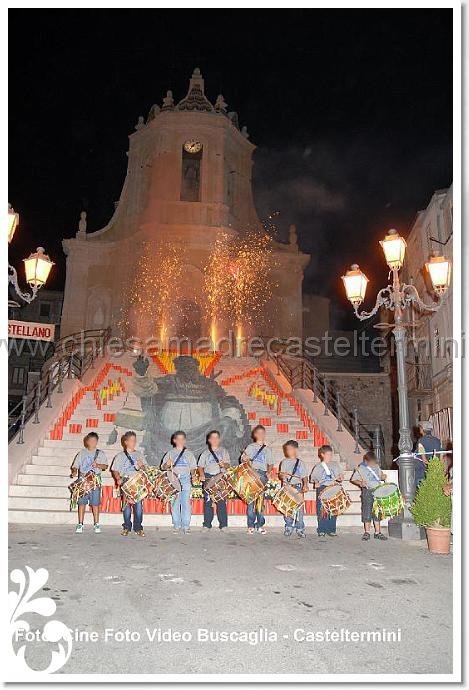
[[23, 602]]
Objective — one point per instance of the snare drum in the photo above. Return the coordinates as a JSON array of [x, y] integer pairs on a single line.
[[167, 485], [387, 501], [218, 487], [335, 500], [136, 488], [288, 500], [245, 481], [82, 486]]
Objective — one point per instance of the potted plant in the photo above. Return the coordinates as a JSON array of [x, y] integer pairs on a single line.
[[432, 508]]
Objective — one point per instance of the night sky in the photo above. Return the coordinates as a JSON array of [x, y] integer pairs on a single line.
[[351, 111]]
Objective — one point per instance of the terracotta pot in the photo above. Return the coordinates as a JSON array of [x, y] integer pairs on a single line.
[[438, 539]]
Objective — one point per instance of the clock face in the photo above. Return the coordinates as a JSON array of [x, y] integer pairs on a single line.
[[192, 146]]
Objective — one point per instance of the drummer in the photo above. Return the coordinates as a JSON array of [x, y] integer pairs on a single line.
[[293, 472], [211, 463], [368, 476], [182, 461], [325, 473], [259, 455], [125, 465], [89, 458]]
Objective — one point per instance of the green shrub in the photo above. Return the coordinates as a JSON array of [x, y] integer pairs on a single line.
[[431, 508]]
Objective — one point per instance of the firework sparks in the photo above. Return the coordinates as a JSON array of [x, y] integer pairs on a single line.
[[147, 312]]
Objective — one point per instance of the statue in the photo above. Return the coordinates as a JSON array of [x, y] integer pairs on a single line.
[[168, 101], [154, 110], [220, 103], [82, 224], [244, 132], [185, 400], [293, 237], [140, 123]]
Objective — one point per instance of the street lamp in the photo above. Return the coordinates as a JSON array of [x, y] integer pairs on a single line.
[[37, 266], [398, 298], [12, 224]]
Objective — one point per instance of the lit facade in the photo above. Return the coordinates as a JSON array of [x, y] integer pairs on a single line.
[[188, 179]]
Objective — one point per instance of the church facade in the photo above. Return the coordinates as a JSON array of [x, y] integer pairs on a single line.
[[188, 180]]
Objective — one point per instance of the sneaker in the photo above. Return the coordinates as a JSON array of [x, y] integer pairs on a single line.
[[366, 536], [176, 530], [79, 528], [331, 534], [140, 533], [321, 534], [125, 531], [223, 529], [287, 533], [97, 528], [300, 534], [261, 530], [186, 530], [250, 530], [380, 536], [204, 527]]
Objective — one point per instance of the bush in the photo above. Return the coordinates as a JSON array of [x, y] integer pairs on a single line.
[[431, 508]]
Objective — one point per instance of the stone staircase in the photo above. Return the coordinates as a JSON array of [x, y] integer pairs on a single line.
[[39, 493]]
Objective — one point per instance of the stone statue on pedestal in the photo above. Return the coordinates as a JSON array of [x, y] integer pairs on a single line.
[[185, 400], [82, 225], [293, 237]]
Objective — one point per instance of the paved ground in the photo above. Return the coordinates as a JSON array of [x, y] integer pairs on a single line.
[[235, 582]]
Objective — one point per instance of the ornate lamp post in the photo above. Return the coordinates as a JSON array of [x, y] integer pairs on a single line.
[[398, 298], [37, 266]]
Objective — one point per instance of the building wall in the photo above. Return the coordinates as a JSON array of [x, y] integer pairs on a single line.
[[431, 347], [371, 394], [28, 356], [101, 265]]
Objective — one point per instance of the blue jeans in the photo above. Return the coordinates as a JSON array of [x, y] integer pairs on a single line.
[[255, 516], [181, 505], [137, 509], [93, 497], [208, 509], [325, 524], [297, 522]]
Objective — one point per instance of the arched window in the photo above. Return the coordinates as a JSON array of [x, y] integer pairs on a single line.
[[190, 175]]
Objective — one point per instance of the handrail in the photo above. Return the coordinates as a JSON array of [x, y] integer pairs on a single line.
[[300, 373], [63, 364]]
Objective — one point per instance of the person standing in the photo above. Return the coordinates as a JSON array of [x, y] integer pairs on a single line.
[[259, 455], [213, 462], [325, 473], [368, 475], [293, 472], [125, 464], [89, 458], [182, 462], [426, 446]]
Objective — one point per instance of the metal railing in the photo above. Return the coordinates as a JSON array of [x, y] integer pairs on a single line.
[[300, 373], [69, 362], [419, 377]]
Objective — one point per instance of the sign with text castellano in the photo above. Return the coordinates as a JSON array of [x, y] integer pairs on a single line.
[[28, 330]]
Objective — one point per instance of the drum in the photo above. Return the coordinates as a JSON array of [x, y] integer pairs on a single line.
[[387, 501], [167, 485], [218, 487], [288, 500], [83, 486], [245, 481], [136, 488], [335, 500]]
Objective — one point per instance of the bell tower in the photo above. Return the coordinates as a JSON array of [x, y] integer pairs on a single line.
[[189, 178]]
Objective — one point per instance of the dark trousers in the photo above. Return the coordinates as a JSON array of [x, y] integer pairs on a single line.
[[209, 512], [137, 509], [325, 524]]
